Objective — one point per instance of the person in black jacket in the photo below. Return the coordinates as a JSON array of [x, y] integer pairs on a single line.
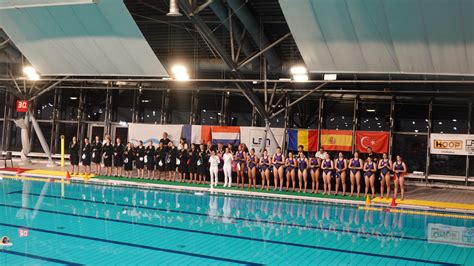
[[201, 164], [107, 154], [160, 159], [118, 157], [193, 159], [140, 159], [97, 154], [86, 156], [150, 160], [128, 157], [171, 156], [74, 155], [182, 162]]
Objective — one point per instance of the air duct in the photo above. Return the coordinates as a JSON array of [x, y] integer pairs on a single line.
[[174, 10]]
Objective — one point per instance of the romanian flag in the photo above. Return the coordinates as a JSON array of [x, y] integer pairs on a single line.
[[306, 137], [336, 140]]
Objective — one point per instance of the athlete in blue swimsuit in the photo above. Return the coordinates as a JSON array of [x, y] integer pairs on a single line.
[[314, 165], [327, 167], [265, 169], [369, 168], [385, 166], [355, 167], [278, 160], [252, 168], [399, 170], [341, 167], [291, 165], [302, 172]]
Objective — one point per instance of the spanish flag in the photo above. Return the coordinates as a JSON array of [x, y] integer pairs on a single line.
[[306, 137], [336, 140]]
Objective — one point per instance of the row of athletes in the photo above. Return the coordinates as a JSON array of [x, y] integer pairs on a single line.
[[200, 161]]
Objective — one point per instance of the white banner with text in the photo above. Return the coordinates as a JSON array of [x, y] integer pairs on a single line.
[[452, 144]]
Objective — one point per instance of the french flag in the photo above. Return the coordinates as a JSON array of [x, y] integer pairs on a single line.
[[196, 134], [225, 135]]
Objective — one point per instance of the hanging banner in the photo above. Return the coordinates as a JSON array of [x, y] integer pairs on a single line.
[[336, 140], [197, 134], [253, 137], [306, 137], [225, 135], [152, 132], [378, 141], [454, 144]]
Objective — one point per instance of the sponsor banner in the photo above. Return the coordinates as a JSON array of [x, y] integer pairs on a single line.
[[451, 235], [336, 140], [454, 144], [378, 141], [152, 132], [253, 137], [306, 137]]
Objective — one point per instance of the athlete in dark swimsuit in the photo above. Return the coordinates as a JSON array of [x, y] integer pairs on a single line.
[[252, 168], [240, 158], [355, 166], [385, 166], [291, 165], [302, 172], [328, 167], [277, 161], [399, 169], [314, 165], [369, 174], [341, 167], [265, 169]]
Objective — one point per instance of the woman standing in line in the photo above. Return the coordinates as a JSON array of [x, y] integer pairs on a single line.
[[240, 159], [171, 161], [385, 166], [227, 167], [150, 153], [278, 161], [160, 159], [355, 166], [182, 162], [97, 154], [399, 170], [265, 169], [291, 166], [252, 168], [302, 172], [86, 156], [341, 168], [128, 157], [213, 168], [328, 168], [107, 154], [140, 160], [314, 165], [193, 159], [74, 155], [118, 157], [201, 164], [369, 175]]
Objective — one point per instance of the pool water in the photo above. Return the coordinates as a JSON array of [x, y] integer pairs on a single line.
[[95, 224]]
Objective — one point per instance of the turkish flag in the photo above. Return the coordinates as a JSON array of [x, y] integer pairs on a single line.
[[378, 141]]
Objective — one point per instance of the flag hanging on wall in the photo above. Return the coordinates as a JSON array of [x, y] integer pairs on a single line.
[[378, 141], [197, 134], [336, 140], [306, 137], [225, 135]]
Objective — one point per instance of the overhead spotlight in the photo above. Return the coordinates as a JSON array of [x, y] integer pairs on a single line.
[[300, 73], [370, 110], [180, 73], [174, 9], [31, 73], [330, 76]]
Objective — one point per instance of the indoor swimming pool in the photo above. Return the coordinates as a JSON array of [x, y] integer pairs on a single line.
[[94, 224]]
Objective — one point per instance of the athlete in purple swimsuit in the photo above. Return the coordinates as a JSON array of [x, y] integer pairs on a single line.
[[385, 166], [240, 159], [302, 172], [265, 169], [399, 169], [314, 165], [370, 168], [355, 166], [278, 160], [341, 167], [252, 168], [327, 167], [291, 165]]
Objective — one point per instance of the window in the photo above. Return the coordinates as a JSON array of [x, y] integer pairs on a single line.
[[411, 117], [338, 115], [69, 104], [95, 104], [210, 108], [46, 130], [441, 164], [122, 105], [150, 106], [305, 114], [450, 119], [180, 107], [374, 116], [241, 111], [15, 138], [412, 148], [44, 106]]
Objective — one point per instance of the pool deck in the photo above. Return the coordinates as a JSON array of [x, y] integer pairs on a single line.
[[417, 197]]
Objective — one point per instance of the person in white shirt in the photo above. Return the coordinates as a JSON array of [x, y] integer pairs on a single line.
[[321, 154], [227, 167], [214, 168]]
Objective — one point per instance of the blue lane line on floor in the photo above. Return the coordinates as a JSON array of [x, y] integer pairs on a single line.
[[205, 233], [236, 218], [31, 256]]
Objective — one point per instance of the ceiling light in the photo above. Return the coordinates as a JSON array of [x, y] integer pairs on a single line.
[[255, 82], [300, 78], [298, 70], [370, 110], [73, 98], [31, 73], [180, 73], [34, 76], [330, 76]]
